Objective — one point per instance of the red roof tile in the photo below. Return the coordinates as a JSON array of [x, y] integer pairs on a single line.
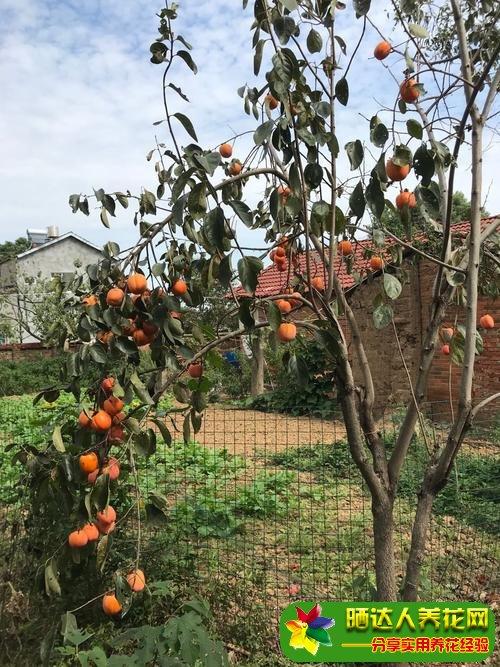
[[272, 281]]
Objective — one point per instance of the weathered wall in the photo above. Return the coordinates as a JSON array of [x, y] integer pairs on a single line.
[[57, 258]]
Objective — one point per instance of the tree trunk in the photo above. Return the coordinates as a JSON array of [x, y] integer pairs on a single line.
[[257, 380], [383, 539], [415, 560]]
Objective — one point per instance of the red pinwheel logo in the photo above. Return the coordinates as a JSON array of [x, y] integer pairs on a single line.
[[310, 630]]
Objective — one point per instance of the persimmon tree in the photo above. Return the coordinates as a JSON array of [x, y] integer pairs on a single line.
[[190, 224]]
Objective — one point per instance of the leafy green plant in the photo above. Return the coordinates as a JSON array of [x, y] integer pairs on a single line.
[[314, 375], [182, 641]]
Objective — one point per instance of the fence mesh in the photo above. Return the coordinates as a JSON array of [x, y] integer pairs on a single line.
[[267, 507]]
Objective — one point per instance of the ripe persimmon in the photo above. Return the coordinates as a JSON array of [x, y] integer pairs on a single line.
[[107, 515], [195, 369], [105, 528], [150, 328], [318, 283], [111, 605], [88, 462], [445, 349], [130, 328], [487, 322], [113, 405], [84, 420], [116, 434], [295, 299], [406, 198], [115, 297], [271, 101], [284, 192], [101, 421], [117, 419], [91, 531], [179, 287], [90, 300], [235, 168], [107, 385], [395, 172], [447, 333], [382, 50], [77, 539], [287, 331], [409, 91], [137, 283], [279, 252], [104, 336], [112, 467], [92, 476], [281, 264], [226, 150], [345, 247], [376, 263], [141, 338], [284, 306], [136, 580]]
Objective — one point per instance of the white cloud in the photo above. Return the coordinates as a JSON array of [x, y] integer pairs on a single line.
[[79, 97]]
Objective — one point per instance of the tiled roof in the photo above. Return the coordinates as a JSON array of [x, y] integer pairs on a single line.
[[272, 281]]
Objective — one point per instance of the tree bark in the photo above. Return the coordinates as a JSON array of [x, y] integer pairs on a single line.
[[415, 560], [257, 380], [383, 538]]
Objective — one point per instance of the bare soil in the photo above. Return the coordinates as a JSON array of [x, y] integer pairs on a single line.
[[245, 432]]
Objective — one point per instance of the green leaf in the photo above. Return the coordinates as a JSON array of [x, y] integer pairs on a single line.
[[99, 496], [355, 153], [375, 197], [291, 5], [248, 272], [165, 433], [243, 211], [109, 204], [140, 390], [382, 316], [188, 60], [378, 132], [418, 30], [213, 227], [225, 271], [111, 249], [402, 155], [187, 124], [273, 315], [313, 175], [414, 128], [197, 201], [158, 269], [314, 41], [52, 586], [57, 439], [392, 286], [423, 164], [145, 442], [186, 429], [74, 202], [298, 367], [357, 200], [263, 132], [342, 91], [284, 27], [257, 59], [104, 217], [361, 7]]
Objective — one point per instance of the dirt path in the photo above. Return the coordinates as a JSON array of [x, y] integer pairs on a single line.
[[246, 432]]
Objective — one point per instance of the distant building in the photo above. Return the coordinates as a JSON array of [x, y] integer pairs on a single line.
[[50, 255]]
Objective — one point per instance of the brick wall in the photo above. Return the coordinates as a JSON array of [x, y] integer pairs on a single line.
[[26, 352], [412, 312]]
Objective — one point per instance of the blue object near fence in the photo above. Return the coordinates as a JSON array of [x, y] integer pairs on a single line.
[[232, 358]]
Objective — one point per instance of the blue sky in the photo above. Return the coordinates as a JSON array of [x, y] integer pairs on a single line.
[[80, 97]]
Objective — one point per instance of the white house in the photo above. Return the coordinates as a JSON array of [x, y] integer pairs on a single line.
[[51, 255]]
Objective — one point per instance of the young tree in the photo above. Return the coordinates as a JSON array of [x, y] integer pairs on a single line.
[[307, 203]]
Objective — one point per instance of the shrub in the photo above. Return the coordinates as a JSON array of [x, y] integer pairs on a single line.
[[308, 390]]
